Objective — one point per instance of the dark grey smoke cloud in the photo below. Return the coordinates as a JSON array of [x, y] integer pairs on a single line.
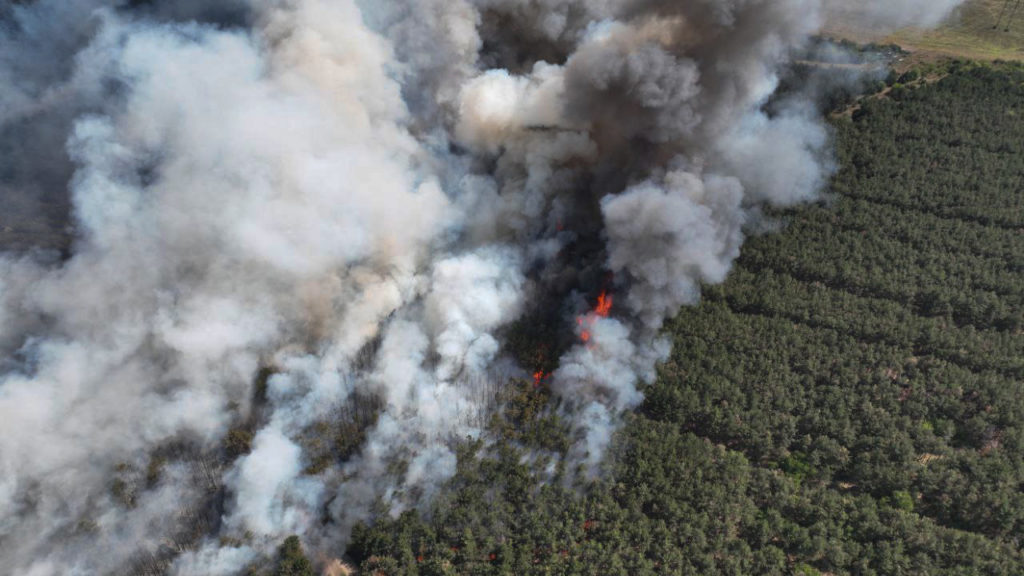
[[284, 216]]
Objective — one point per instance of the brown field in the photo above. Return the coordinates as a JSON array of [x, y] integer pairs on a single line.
[[971, 32]]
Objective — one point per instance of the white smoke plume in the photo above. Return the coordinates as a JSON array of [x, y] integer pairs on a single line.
[[277, 219]]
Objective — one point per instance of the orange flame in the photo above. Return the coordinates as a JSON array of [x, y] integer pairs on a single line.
[[604, 304], [539, 377], [603, 309]]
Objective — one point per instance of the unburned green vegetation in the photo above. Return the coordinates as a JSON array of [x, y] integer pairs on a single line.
[[850, 401]]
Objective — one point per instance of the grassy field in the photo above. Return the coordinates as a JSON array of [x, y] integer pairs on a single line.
[[971, 32]]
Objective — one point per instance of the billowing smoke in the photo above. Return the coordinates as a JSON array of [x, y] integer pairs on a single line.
[[232, 229]]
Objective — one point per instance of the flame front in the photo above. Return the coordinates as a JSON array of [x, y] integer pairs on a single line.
[[603, 309], [604, 304], [539, 377]]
